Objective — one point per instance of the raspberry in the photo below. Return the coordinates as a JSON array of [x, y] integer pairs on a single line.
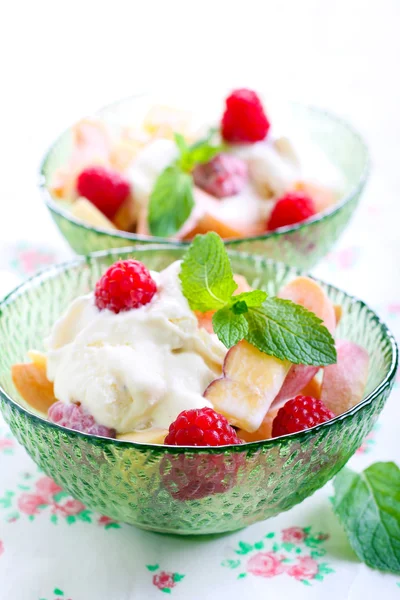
[[75, 417], [201, 427], [291, 208], [188, 477], [225, 175], [106, 189], [244, 119], [300, 413], [126, 284]]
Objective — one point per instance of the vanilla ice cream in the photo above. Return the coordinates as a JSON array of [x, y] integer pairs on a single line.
[[138, 368]]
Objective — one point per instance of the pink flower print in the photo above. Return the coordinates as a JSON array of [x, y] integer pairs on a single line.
[[29, 503], [47, 488], [293, 535], [1, 547], [6, 443], [103, 520], [305, 568], [72, 507], [164, 580], [32, 259], [265, 564]]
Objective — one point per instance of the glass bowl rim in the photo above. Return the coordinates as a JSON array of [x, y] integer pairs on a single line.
[[53, 271], [131, 238]]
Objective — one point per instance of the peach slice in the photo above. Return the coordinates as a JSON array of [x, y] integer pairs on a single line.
[[251, 381], [299, 377], [309, 293], [164, 121], [39, 358], [264, 432], [313, 388], [343, 383], [31, 381], [88, 213], [338, 313], [147, 436], [205, 319], [126, 216], [323, 197], [208, 222], [91, 145]]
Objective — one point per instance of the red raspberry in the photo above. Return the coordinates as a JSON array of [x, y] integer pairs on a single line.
[[201, 427], [225, 175], [75, 417], [192, 477], [106, 189], [291, 208], [244, 119], [126, 284], [300, 413]]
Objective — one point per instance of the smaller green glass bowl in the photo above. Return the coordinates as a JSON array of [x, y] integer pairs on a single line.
[[301, 245], [145, 485]]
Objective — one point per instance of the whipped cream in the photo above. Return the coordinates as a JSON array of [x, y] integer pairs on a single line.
[[135, 369]]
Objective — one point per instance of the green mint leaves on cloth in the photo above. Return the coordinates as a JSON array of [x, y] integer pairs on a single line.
[[368, 506]]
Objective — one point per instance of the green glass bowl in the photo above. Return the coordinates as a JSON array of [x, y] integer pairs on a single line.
[[134, 483], [301, 245]]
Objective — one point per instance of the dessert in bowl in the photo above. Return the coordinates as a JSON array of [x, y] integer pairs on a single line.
[[278, 182], [178, 456]]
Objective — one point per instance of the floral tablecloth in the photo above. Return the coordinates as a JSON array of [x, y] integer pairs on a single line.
[[53, 547]]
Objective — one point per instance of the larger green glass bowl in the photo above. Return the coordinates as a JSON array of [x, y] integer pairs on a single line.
[[132, 482], [301, 245]]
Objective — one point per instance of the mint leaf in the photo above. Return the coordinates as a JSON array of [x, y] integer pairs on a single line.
[[171, 202], [288, 331], [200, 152], [229, 322], [368, 506], [206, 274], [230, 328], [253, 298], [181, 143]]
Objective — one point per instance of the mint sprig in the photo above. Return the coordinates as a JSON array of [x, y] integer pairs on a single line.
[[275, 326], [368, 506], [206, 274], [171, 200]]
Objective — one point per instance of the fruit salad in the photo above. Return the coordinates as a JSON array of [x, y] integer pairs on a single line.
[[193, 356], [238, 175]]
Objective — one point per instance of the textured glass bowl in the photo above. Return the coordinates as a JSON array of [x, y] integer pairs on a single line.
[[301, 245], [131, 482]]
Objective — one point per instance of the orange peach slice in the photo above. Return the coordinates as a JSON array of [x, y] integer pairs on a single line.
[[251, 381], [126, 216], [39, 358], [323, 197], [147, 436], [313, 388], [264, 432], [338, 313], [208, 222], [88, 213], [343, 383], [31, 381], [164, 121], [309, 293]]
